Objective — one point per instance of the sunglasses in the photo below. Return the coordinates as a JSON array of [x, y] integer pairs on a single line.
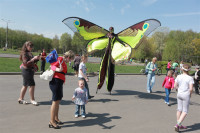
[[31, 46]]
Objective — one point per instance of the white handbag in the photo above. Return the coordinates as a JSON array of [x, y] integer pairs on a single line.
[[47, 75]]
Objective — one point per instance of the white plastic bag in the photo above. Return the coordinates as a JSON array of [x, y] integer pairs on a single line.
[[47, 75]]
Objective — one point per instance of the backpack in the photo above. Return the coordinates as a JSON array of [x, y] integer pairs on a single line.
[[147, 70]]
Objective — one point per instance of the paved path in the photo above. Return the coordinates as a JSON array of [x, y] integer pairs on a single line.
[[129, 109]]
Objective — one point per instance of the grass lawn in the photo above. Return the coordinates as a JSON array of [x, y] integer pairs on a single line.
[[12, 65]]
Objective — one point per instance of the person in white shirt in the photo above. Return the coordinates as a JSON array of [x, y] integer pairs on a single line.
[[83, 75], [184, 83]]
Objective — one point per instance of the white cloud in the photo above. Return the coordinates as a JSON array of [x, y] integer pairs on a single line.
[[181, 14], [149, 2], [87, 6], [124, 8]]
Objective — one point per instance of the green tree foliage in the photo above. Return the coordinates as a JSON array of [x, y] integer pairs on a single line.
[[143, 51], [55, 44], [65, 42], [159, 40], [17, 38], [178, 45], [78, 44]]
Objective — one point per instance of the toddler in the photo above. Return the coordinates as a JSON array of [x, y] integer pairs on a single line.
[[80, 98]]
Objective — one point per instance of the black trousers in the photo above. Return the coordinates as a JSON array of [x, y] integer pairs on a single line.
[[196, 86], [43, 65]]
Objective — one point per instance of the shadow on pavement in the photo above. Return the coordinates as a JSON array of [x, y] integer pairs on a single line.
[[68, 102], [63, 102], [91, 120], [194, 127], [153, 95], [143, 95], [103, 100]]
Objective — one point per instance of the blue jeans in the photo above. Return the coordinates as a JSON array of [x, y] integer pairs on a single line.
[[78, 109], [167, 91], [150, 81]]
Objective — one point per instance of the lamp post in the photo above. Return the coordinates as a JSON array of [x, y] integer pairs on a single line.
[[7, 21]]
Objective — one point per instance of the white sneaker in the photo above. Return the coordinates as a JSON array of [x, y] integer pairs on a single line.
[[83, 116], [34, 102], [76, 116]]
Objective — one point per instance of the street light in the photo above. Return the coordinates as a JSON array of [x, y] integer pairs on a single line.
[[7, 21]]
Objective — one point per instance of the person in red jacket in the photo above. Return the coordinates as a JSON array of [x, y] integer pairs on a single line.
[[56, 86], [43, 60], [168, 83]]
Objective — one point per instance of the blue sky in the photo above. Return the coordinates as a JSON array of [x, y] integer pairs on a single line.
[[45, 16]]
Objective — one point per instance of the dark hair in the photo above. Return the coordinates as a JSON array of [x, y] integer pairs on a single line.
[[24, 48]]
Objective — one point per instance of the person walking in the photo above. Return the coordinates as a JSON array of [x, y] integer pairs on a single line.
[[181, 65], [196, 79], [169, 64], [80, 98], [28, 70], [168, 83], [151, 67], [56, 86], [77, 61], [43, 60], [175, 67], [184, 83]]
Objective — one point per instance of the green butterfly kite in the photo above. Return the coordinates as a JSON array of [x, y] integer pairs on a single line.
[[117, 46]]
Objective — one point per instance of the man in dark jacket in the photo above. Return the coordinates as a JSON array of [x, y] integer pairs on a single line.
[[197, 80]]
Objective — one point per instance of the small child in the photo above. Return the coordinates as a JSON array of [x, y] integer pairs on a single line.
[[80, 98], [83, 75], [168, 83]]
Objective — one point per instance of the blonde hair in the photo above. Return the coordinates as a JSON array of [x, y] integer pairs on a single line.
[[171, 72], [69, 54], [84, 56], [154, 58], [186, 68]]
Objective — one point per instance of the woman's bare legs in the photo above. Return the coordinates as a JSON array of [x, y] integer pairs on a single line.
[[22, 92], [54, 112]]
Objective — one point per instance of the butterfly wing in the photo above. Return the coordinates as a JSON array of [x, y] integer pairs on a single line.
[[133, 34], [120, 52], [86, 29]]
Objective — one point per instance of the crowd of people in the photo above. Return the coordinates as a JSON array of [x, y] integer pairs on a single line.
[[183, 83]]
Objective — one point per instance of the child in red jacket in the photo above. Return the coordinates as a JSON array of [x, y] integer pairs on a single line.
[[168, 83]]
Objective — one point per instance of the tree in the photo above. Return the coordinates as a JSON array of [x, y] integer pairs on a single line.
[[159, 39], [78, 44], [55, 43], [143, 51], [65, 42]]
